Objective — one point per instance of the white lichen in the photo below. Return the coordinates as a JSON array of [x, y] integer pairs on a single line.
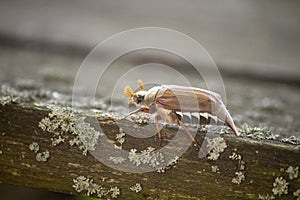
[[297, 194], [171, 164], [146, 157], [6, 100], [266, 197], [40, 157], [34, 147], [215, 169], [280, 186], [120, 138], [87, 185], [141, 119], [75, 142], [117, 147], [292, 140], [136, 188], [240, 177], [46, 125], [57, 140], [60, 119], [235, 156], [238, 157], [63, 121], [293, 172], [212, 129], [81, 183], [115, 192], [215, 147], [242, 165], [10, 95], [43, 157], [117, 160], [258, 133]]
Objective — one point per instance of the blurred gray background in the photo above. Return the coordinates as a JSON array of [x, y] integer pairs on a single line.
[[250, 38]]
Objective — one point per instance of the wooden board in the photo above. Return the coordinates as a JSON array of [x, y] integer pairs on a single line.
[[192, 178]]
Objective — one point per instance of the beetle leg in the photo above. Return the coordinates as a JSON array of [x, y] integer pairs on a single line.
[[188, 133], [145, 110], [157, 119], [201, 152]]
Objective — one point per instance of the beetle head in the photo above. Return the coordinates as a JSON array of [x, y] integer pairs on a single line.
[[138, 97]]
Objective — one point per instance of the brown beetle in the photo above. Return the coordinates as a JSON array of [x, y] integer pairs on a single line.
[[170, 103]]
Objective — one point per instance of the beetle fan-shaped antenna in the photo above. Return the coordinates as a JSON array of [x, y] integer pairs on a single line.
[[141, 84], [128, 91]]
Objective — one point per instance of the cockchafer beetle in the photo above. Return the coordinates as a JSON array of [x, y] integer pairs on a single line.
[[171, 103]]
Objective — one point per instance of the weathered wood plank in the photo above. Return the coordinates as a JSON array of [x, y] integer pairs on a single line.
[[192, 178]]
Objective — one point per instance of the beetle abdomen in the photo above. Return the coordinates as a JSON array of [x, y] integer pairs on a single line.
[[198, 118]]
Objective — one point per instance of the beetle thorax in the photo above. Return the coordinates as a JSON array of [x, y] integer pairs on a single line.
[[149, 96]]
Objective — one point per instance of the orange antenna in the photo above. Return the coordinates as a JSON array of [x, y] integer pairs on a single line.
[[141, 85], [128, 91]]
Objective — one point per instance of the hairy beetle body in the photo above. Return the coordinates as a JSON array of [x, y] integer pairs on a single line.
[[177, 104]]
